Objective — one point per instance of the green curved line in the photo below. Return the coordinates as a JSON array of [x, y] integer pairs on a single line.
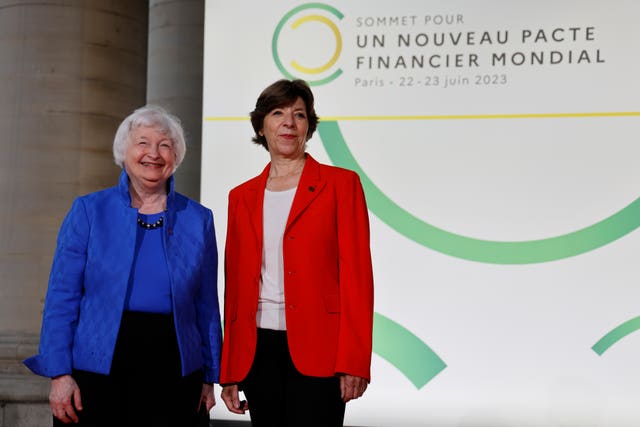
[[616, 335], [496, 252], [276, 36], [405, 351]]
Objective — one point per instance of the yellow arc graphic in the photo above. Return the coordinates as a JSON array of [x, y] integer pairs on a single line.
[[453, 117], [336, 55]]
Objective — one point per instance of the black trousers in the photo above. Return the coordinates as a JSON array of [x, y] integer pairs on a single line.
[[145, 386], [280, 396]]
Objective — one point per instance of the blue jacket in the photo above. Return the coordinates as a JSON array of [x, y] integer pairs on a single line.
[[90, 274]]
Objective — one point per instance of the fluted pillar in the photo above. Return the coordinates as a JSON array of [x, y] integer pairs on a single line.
[[70, 71], [176, 34]]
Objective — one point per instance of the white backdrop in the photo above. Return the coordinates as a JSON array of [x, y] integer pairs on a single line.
[[497, 143]]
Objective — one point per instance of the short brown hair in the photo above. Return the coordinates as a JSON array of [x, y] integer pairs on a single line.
[[281, 94]]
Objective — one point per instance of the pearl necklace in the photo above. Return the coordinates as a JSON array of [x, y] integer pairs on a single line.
[[153, 226]]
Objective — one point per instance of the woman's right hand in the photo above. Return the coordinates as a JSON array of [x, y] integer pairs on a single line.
[[64, 399], [231, 398]]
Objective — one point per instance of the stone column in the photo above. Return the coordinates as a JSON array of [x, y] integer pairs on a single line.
[[70, 71], [174, 78]]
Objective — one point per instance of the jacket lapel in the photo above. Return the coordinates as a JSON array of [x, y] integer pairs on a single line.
[[254, 201], [310, 185]]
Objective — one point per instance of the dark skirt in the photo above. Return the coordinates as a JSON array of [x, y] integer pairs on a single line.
[[145, 385]]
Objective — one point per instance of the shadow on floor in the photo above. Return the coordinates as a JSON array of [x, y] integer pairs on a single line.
[[227, 423]]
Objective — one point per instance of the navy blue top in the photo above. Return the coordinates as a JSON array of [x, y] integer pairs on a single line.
[[149, 286]]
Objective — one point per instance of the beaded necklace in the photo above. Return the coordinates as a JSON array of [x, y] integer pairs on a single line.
[[152, 226]]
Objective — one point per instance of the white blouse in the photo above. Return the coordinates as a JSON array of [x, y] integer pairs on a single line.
[[271, 309]]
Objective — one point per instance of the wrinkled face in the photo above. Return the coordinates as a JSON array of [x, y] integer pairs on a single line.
[[150, 157], [285, 130]]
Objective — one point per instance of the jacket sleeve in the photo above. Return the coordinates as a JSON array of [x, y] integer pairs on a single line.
[[356, 281], [207, 306], [230, 294], [62, 303]]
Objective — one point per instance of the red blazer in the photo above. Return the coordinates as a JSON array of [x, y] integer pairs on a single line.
[[328, 282]]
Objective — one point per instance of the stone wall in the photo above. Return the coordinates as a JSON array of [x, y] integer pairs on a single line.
[[70, 71]]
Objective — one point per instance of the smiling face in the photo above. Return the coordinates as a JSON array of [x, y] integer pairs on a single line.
[[285, 129], [150, 158]]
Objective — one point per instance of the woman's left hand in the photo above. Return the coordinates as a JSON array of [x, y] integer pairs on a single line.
[[206, 397], [352, 387]]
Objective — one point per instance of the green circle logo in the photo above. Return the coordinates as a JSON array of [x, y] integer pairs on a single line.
[[296, 19]]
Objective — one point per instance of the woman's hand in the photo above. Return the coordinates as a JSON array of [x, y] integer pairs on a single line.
[[231, 398], [351, 387], [206, 396], [64, 399]]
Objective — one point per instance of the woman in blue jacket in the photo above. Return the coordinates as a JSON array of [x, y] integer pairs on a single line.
[[131, 325]]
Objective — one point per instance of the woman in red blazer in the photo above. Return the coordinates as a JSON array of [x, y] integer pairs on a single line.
[[299, 283]]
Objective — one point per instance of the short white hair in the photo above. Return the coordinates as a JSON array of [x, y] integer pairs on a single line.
[[157, 118]]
